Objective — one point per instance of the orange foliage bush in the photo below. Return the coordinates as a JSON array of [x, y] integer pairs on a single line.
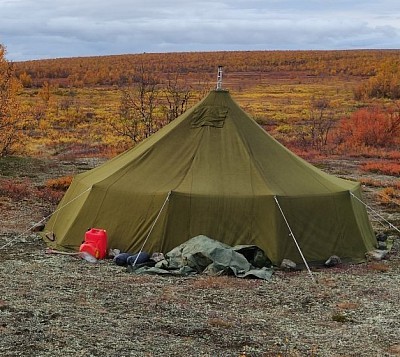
[[382, 167], [23, 189], [385, 84], [389, 196], [59, 184], [374, 127], [390, 192], [12, 116], [54, 189], [367, 181]]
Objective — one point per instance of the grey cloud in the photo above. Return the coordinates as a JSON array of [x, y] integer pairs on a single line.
[[46, 29]]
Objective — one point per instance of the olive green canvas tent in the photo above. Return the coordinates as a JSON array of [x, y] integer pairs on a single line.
[[214, 171]]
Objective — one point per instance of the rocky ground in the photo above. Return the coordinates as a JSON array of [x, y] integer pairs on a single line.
[[62, 305]]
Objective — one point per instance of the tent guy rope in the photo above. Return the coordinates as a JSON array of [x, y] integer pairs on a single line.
[[295, 240], [375, 213], [397, 203], [43, 219], [151, 228]]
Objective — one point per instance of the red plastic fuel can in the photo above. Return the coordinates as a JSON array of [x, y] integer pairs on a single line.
[[95, 243]]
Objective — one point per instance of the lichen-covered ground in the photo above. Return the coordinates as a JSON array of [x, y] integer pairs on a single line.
[[61, 305]]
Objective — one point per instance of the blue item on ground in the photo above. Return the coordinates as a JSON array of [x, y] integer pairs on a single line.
[[138, 258], [121, 259]]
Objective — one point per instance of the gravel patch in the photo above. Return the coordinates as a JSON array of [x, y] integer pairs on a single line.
[[61, 305], [56, 304]]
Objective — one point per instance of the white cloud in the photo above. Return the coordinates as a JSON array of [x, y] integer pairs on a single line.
[[47, 29]]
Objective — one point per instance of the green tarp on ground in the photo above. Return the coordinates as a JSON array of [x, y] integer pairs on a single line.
[[204, 255], [224, 177]]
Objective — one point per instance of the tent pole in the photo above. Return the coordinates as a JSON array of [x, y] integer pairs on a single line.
[[295, 240], [151, 228]]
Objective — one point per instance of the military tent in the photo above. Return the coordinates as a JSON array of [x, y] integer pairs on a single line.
[[214, 171]]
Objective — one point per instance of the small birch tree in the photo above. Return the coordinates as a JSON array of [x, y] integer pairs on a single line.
[[12, 119], [138, 116]]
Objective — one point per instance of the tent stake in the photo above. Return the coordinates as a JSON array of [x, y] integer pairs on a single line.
[[295, 240]]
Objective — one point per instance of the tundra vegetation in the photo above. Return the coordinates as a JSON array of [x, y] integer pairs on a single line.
[[318, 103]]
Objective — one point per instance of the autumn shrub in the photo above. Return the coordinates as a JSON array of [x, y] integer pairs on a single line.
[[374, 127], [53, 190], [367, 181], [47, 194], [382, 167], [24, 189], [389, 196], [362, 151], [311, 155], [77, 150], [12, 115], [17, 189], [59, 184], [390, 154], [385, 84]]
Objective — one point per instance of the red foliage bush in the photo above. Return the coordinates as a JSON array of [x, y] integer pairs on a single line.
[[382, 167], [17, 189], [59, 184], [389, 196], [370, 127], [20, 189], [50, 195]]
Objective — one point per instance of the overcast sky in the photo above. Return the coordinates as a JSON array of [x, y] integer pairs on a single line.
[[37, 29]]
